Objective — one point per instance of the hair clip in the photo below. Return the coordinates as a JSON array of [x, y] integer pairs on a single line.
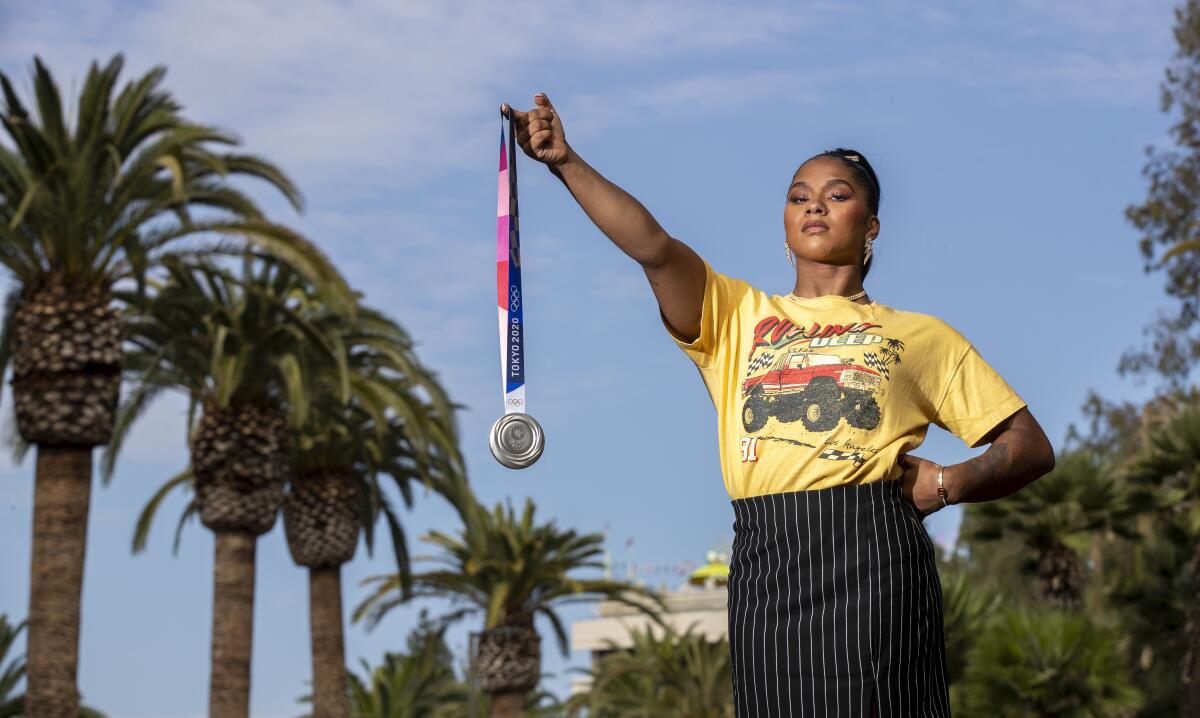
[[853, 158]]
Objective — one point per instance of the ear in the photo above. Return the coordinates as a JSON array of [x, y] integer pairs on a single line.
[[873, 227]]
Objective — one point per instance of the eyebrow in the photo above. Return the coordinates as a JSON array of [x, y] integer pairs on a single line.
[[832, 181]]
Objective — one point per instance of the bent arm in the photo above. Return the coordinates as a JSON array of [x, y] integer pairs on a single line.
[[674, 270], [1018, 454]]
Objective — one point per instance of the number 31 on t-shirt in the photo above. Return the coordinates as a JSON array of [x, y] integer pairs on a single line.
[[749, 448]]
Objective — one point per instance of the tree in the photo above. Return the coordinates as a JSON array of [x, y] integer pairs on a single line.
[[1171, 465], [1054, 519], [1048, 662], [418, 683], [663, 673], [244, 352], [1169, 219], [510, 569], [84, 208], [967, 609], [421, 683], [12, 703], [1152, 594], [398, 423]]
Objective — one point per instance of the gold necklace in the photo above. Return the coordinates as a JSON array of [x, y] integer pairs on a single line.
[[852, 297]]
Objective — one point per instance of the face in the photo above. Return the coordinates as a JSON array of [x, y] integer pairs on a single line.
[[827, 218]]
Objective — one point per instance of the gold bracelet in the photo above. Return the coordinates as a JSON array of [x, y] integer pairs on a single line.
[[941, 490]]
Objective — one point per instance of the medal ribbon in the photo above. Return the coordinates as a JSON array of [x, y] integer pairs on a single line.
[[509, 300]]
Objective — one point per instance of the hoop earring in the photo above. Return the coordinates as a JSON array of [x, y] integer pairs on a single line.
[[788, 251]]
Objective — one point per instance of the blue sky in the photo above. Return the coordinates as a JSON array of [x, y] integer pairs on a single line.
[[1008, 137]]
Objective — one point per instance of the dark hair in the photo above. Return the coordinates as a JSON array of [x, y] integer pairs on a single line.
[[866, 177]]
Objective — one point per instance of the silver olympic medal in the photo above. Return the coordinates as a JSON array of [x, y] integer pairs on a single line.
[[517, 440]]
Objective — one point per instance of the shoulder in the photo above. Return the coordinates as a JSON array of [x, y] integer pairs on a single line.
[[715, 275], [920, 323], [729, 288]]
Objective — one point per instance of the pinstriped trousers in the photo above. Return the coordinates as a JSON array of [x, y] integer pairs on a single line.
[[835, 606]]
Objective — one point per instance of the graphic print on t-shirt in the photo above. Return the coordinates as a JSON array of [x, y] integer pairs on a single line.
[[813, 378]]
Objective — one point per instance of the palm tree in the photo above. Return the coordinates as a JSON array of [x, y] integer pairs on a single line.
[[419, 683], [422, 683], [1055, 518], [12, 703], [406, 686], [509, 569], [82, 209], [1153, 594], [1048, 662], [1170, 464], [244, 353], [967, 609], [398, 423], [671, 673]]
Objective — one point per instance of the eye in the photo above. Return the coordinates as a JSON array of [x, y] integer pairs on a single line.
[[798, 198], [840, 196]]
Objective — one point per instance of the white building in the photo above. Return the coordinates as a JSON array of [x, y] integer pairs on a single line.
[[700, 603]]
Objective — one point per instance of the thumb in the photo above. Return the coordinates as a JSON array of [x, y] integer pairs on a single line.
[[542, 100]]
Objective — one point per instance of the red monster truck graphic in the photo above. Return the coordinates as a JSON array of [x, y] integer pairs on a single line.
[[818, 389]]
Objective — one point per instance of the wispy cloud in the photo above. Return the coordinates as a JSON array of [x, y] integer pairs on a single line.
[[709, 94], [345, 94], [350, 90]]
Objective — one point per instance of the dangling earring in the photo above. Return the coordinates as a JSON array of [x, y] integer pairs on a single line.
[[788, 251], [867, 252]]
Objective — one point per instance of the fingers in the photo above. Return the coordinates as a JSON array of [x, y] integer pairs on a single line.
[[534, 140], [517, 115], [543, 112], [536, 113], [539, 129]]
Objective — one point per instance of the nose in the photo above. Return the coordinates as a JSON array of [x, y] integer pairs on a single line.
[[814, 206]]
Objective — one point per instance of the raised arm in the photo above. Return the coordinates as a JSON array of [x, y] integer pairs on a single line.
[[674, 270]]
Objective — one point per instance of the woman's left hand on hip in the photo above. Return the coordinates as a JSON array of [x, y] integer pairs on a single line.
[[919, 483]]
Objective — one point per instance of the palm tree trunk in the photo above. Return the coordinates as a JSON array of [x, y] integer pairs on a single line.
[[62, 491], [328, 643], [232, 624], [509, 704]]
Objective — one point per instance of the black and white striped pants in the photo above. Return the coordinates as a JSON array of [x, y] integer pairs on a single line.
[[835, 604]]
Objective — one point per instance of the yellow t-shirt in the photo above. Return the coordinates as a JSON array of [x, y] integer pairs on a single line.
[[824, 392]]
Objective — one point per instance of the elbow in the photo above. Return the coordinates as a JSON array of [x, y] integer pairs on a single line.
[[1034, 444], [657, 252], [1045, 460]]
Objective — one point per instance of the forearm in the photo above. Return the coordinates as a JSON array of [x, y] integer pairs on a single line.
[[1013, 461], [615, 212]]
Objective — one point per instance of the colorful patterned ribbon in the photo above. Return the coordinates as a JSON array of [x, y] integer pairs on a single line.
[[509, 300]]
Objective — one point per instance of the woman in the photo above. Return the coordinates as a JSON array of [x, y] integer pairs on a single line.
[[834, 598]]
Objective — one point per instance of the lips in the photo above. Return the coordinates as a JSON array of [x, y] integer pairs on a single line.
[[814, 227]]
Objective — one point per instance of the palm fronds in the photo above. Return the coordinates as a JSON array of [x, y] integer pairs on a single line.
[[505, 566]]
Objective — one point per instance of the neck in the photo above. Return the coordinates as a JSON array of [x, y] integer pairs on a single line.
[[814, 279]]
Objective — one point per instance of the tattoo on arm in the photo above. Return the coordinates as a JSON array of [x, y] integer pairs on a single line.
[[985, 475], [1016, 457], [991, 464]]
